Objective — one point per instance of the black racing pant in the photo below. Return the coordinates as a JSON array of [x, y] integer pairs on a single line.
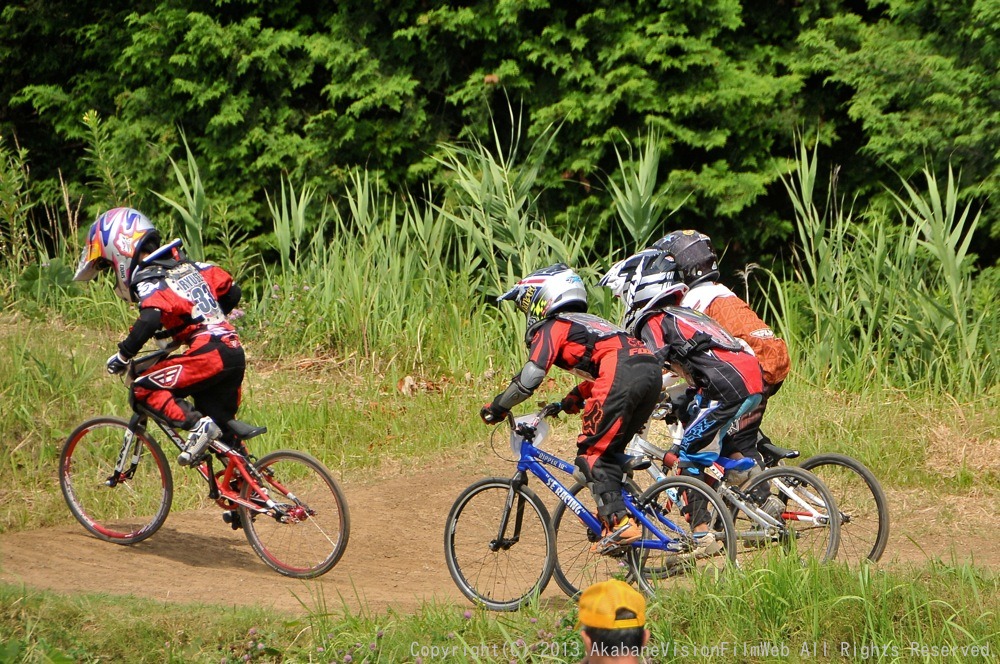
[[621, 401]]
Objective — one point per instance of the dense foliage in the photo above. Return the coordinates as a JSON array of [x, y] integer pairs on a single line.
[[375, 173], [316, 90]]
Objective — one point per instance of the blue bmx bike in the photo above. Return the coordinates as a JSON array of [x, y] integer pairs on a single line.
[[502, 548]]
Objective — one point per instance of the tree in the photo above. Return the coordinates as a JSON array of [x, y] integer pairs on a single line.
[[920, 78]]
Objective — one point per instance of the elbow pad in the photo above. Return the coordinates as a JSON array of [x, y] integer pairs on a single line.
[[521, 387], [229, 300]]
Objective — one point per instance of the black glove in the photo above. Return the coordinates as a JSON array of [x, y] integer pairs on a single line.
[[493, 414], [552, 409], [572, 402], [116, 364], [681, 403]]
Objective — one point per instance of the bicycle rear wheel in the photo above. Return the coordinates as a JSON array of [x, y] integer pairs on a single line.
[[122, 508], [678, 505], [864, 525], [313, 525], [499, 545], [807, 527], [576, 566]]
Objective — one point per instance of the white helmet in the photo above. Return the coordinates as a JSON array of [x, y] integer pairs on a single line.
[[114, 241], [548, 291], [644, 281]]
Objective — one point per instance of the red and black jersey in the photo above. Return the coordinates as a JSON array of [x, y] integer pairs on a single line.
[[578, 343], [620, 389], [181, 300], [685, 339]]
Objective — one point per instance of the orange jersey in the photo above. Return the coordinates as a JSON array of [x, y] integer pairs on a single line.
[[736, 316]]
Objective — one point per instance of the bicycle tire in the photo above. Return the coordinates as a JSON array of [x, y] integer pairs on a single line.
[[818, 540], [576, 566], [131, 509], [857, 503], [500, 577], [313, 539], [668, 500]]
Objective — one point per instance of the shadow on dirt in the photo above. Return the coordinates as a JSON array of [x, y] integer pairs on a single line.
[[199, 550]]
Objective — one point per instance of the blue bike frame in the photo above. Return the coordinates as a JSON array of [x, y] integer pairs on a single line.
[[534, 460]]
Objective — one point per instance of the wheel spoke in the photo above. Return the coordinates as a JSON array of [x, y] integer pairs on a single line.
[[864, 528], [505, 578]]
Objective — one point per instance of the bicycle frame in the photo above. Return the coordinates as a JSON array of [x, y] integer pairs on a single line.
[[641, 446], [220, 483], [533, 460]]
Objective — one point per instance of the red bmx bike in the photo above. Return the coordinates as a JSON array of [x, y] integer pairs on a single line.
[[117, 482]]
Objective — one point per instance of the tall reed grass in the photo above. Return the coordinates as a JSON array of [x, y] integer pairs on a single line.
[[873, 299], [410, 280], [639, 198], [876, 303], [16, 250], [194, 210]]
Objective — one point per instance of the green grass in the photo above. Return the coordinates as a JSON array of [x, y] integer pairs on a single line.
[[354, 418], [907, 441], [812, 613]]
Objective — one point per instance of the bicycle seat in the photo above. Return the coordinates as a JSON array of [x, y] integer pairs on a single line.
[[738, 465], [632, 463], [773, 450], [243, 430]]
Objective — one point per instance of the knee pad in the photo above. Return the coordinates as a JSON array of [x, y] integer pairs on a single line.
[[583, 474]]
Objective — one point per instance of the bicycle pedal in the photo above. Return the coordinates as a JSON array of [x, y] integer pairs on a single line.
[[609, 545], [233, 519], [606, 547]]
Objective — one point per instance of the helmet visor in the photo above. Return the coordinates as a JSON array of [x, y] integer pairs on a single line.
[[91, 263]]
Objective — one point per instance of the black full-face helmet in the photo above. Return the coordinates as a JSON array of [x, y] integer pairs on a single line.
[[693, 253]]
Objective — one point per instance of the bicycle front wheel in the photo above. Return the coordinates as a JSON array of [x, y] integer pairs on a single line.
[[576, 565], [694, 534], [499, 545], [121, 507], [807, 523], [308, 532], [864, 509]]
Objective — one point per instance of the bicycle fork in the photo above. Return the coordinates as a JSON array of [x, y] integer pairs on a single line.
[[130, 453], [501, 542]]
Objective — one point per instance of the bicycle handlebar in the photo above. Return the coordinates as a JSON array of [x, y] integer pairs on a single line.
[[140, 363], [527, 429]]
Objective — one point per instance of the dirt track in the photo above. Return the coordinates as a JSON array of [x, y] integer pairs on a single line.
[[395, 556]]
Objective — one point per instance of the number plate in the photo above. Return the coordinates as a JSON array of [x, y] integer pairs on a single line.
[[716, 471]]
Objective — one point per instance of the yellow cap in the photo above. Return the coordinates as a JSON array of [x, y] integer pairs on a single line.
[[601, 602]]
